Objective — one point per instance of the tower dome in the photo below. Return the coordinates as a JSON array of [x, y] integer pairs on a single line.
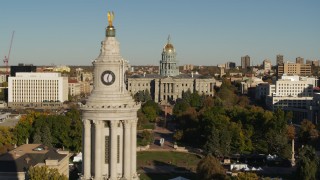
[[168, 63]]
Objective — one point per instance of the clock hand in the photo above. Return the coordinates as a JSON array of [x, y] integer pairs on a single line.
[[108, 77]]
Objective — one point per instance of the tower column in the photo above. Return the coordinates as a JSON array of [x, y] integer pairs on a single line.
[[113, 153], [133, 147], [98, 153], [127, 144], [86, 146]]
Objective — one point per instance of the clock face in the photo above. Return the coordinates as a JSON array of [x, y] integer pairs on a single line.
[[108, 77]]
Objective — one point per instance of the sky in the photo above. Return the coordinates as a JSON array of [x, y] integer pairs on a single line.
[[204, 32]]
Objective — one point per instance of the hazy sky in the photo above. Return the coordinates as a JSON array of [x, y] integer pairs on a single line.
[[204, 32]]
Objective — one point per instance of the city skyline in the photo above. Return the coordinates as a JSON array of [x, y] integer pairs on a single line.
[[206, 33]]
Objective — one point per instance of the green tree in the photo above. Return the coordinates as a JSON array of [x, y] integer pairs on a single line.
[[75, 133], [210, 168], [147, 137], [46, 136], [178, 135], [212, 144], [180, 106], [307, 164], [37, 137], [150, 113], [147, 95], [142, 120], [44, 173]]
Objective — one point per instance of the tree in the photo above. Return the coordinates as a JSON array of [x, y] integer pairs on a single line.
[[142, 120], [6, 136], [37, 137], [22, 130], [307, 164], [308, 132], [46, 136], [178, 135], [210, 168], [212, 145], [150, 113], [7, 139], [180, 106], [75, 132], [44, 173], [247, 176], [147, 137]]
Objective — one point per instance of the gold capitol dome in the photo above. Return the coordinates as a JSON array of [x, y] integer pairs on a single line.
[[168, 47]]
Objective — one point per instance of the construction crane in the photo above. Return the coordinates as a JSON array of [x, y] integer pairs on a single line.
[[6, 58]]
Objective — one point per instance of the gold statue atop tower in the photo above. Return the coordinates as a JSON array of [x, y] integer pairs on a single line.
[[110, 17]]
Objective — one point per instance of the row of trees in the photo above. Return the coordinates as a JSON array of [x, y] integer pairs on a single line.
[[227, 124], [60, 131]]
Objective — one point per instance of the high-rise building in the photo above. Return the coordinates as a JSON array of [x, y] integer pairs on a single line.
[[267, 65], [299, 60], [279, 59], [245, 62], [168, 63], [109, 117]]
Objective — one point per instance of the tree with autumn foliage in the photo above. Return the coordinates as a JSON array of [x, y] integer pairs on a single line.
[[308, 132], [45, 173], [210, 168]]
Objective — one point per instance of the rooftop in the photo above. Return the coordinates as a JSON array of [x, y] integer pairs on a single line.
[[24, 156]]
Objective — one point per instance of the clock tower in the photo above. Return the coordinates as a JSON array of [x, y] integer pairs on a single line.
[[109, 117]]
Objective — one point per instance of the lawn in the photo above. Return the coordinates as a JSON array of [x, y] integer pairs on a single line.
[[162, 176], [166, 165]]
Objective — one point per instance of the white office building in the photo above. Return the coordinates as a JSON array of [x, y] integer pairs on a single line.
[[37, 90], [292, 93]]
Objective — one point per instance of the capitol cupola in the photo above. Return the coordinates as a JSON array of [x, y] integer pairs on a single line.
[[168, 63], [168, 48]]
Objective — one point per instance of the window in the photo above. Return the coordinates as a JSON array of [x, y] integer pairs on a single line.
[[118, 148], [106, 151]]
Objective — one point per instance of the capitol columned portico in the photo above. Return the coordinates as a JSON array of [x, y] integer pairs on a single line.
[[109, 117]]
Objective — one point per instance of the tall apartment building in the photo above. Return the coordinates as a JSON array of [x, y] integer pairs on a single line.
[[294, 69], [37, 90], [279, 59], [299, 60], [267, 65], [245, 62]]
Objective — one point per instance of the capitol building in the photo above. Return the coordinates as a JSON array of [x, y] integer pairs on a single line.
[[170, 84]]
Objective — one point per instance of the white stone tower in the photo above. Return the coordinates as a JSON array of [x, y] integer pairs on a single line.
[[109, 117]]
